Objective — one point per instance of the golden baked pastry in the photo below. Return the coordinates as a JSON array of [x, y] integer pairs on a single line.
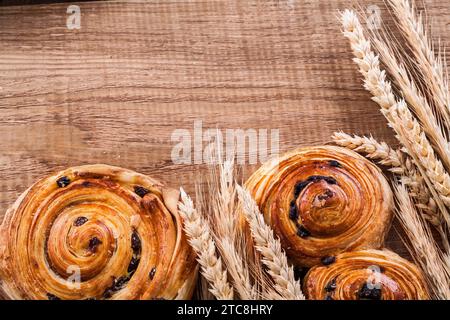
[[321, 201], [367, 274], [95, 232]]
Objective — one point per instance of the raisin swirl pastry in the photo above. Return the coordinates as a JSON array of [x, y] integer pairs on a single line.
[[321, 201], [366, 275], [95, 232]]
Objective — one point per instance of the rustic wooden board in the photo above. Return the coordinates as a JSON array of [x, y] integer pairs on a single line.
[[115, 90]]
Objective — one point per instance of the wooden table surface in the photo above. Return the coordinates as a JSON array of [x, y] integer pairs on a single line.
[[115, 90]]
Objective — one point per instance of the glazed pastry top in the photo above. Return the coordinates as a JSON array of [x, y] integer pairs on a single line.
[[95, 232], [323, 200], [366, 275]]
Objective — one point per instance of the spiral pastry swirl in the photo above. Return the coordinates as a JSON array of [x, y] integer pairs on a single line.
[[366, 275], [95, 232], [321, 201]]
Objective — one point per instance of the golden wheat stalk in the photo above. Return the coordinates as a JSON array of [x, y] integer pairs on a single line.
[[422, 247], [238, 271], [372, 149], [429, 166], [220, 208], [398, 163], [200, 238], [401, 165], [273, 255], [202, 291], [428, 62], [400, 118], [418, 103], [223, 214]]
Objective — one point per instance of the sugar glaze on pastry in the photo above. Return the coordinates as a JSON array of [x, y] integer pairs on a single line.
[[95, 232], [321, 201], [366, 275]]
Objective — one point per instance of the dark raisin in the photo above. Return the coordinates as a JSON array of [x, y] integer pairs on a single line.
[[133, 265], [329, 180], [331, 286], [52, 297], [299, 272], [328, 297], [303, 232], [328, 260], [80, 221], [63, 182], [141, 191], [299, 186], [119, 283], [325, 196], [151, 275], [335, 163], [86, 184], [93, 244], [369, 293], [91, 298], [108, 293], [135, 242], [293, 211]]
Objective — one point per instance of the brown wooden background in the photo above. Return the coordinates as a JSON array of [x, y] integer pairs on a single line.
[[114, 91]]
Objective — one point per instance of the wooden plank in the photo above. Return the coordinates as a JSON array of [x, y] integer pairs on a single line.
[[115, 90], [31, 2]]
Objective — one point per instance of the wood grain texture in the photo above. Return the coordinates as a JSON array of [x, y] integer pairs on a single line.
[[115, 90]]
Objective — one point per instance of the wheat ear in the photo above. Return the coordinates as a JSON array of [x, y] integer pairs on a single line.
[[422, 247], [273, 255], [230, 241], [396, 162], [199, 237], [400, 118], [372, 149], [431, 65], [419, 104], [401, 165]]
